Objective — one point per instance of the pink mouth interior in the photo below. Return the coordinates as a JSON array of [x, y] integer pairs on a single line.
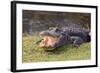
[[48, 41]]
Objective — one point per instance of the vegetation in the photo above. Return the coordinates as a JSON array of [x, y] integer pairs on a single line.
[[33, 53]]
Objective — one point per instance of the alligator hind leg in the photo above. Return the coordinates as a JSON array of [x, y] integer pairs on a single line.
[[76, 41]]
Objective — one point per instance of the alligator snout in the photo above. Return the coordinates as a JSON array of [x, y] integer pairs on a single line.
[[43, 33]]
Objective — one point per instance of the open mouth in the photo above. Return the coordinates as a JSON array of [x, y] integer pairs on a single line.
[[48, 40]]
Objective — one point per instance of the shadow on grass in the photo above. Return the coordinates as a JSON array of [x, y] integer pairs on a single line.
[[59, 50]]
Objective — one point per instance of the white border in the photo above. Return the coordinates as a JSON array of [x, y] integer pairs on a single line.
[[21, 65]]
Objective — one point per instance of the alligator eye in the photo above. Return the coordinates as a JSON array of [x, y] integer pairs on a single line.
[[57, 29]]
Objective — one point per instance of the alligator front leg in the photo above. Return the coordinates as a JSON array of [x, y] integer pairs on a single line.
[[76, 41]]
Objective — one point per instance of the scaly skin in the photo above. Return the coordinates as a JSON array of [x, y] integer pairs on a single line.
[[66, 35]]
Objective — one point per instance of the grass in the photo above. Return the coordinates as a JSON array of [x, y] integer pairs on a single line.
[[33, 53]]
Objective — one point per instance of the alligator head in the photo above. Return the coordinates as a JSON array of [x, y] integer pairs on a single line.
[[50, 37]]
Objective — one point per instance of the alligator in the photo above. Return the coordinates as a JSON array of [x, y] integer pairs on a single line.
[[56, 37]]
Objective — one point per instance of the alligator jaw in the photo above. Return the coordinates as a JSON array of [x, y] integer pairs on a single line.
[[48, 40]]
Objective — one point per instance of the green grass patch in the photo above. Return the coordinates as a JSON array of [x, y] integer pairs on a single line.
[[33, 53]]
